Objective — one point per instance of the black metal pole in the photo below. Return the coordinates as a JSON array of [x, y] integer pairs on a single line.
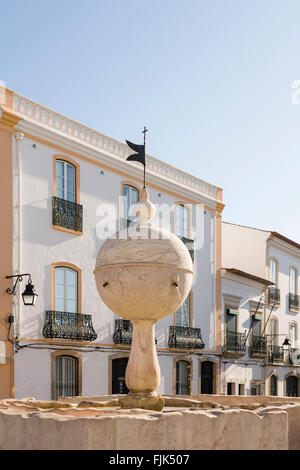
[[144, 132]]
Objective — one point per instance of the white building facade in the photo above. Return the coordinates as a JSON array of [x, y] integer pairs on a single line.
[[62, 181], [260, 312]]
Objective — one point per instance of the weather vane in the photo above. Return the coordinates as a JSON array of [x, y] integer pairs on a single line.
[[140, 156]]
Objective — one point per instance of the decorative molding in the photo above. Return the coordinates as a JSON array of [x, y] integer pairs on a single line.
[[232, 300], [46, 118]]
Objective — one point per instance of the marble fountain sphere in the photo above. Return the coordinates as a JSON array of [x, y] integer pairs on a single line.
[[143, 274]]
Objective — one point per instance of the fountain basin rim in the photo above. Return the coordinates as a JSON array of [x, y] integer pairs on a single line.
[[141, 264]]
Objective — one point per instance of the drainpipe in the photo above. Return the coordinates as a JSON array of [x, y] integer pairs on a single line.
[[19, 137]]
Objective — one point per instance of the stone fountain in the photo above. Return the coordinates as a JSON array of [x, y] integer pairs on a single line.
[[143, 274]]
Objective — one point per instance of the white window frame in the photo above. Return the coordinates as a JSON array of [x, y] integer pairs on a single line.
[[65, 298], [65, 179]]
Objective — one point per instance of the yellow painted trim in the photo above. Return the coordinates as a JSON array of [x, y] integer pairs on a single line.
[[67, 230], [6, 251]]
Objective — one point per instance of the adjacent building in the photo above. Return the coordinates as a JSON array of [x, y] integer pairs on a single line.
[[260, 308]]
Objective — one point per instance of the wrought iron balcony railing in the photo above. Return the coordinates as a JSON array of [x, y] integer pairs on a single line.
[[184, 337], [275, 353], [274, 295], [190, 246], [66, 325], [235, 342], [293, 302], [67, 214], [123, 332], [258, 346]]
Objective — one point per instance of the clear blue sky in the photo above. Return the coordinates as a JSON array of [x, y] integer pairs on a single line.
[[210, 78]]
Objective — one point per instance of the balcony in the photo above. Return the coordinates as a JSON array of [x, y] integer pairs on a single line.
[[190, 246], [123, 332], [184, 337], [66, 214], [275, 354], [67, 325], [274, 296], [234, 343], [258, 347], [294, 303]]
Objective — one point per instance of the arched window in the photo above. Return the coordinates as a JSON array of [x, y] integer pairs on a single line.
[[66, 289], [182, 314], [182, 378], [118, 375], [130, 197], [65, 181], [207, 377], [66, 376], [273, 385], [292, 386]]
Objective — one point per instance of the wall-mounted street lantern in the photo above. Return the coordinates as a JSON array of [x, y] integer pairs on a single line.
[[286, 343], [29, 295]]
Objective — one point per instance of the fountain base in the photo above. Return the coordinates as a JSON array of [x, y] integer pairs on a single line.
[[145, 400]]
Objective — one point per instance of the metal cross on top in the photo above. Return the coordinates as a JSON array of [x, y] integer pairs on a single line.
[[140, 156]]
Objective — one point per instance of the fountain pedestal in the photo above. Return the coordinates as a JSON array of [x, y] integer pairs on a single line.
[[143, 274]]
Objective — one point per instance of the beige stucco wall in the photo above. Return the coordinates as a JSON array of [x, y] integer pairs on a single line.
[[244, 248], [28, 427]]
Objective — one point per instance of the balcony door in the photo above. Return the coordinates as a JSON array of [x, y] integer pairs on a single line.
[[66, 284], [182, 315], [65, 181], [182, 378], [207, 377], [292, 386], [66, 380], [130, 197], [118, 375], [273, 386], [182, 221]]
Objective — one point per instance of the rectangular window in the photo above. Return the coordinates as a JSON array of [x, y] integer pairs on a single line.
[[293, 335], [231, 322], [273, 271], [293, 282], [65, 181], [182, 221], [130, 197], [66, 376], [255, 388], [182, 315]]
